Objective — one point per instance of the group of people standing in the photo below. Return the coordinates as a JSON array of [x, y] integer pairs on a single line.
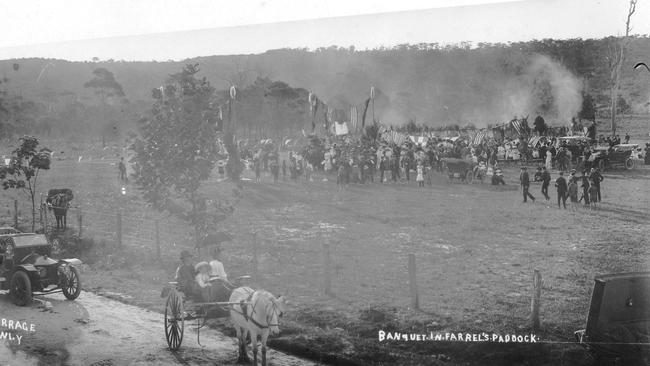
[[585, 188]]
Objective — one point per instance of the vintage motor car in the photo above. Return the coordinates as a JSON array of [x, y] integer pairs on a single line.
[[26, 269], [605, 158], [618, 323]]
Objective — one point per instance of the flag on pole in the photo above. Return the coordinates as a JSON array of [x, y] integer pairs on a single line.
[[313, 107], [354, 118], [365, 111]]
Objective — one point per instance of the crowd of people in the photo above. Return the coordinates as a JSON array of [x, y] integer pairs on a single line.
[[579, 189]]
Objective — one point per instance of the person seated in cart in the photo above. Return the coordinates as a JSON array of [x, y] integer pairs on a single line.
[[185, 274], [203, 285], [218, 276], [497, 178]]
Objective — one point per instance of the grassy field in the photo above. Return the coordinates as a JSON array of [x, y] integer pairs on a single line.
[[476, 247]]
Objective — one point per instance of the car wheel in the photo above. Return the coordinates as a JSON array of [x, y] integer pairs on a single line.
[[71, 284], [629, 164], [20, 288]]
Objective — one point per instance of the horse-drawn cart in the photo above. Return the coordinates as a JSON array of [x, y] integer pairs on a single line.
[[459, 169], [181, 307], [59, 235]]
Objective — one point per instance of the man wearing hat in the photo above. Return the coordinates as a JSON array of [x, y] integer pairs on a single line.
[[597, 178], [185, 273], [546, 180], [561, 186], [524, 179], [585, 187]]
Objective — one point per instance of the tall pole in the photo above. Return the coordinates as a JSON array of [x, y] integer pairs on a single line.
[[372, 98]]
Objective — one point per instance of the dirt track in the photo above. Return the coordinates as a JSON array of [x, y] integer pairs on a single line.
[[94, 330]]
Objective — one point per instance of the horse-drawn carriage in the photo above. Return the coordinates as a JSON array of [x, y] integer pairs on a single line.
[[252, 311], [459, 169], [58, 202]]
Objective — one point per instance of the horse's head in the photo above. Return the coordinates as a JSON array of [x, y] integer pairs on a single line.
[[274, 311]]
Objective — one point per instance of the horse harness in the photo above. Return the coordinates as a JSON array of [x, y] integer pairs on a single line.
[[244, 307]]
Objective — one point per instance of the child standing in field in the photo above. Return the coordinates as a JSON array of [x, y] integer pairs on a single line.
[[593, 195], [420, 175], [573, 194]]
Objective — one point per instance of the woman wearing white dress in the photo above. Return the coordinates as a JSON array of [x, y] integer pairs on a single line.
[[549, 159]]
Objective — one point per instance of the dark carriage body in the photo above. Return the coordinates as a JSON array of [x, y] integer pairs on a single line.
[[618, 324], [26, 268], [460, 169]]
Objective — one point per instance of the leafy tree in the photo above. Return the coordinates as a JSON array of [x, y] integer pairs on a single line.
[[178, 149], [622, 106], [105, 85], [540, 125], [22, 173], [588, 110]]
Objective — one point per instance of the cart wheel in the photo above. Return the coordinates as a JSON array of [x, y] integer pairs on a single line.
[[71, 284], [468, 177], [174, 320], [21, 288], [629, 163], [601, 165]]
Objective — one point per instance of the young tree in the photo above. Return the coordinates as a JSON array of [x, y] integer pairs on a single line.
[[178, 149], [588, 110], [22, 173], [615, 57], [106, 87]]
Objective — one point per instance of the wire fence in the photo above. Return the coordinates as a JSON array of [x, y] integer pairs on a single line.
[[116, 226]]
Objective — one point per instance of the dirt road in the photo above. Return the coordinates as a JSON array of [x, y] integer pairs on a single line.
[[94, 330]]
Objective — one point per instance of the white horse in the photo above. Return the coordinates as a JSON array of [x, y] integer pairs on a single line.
[[257, 312]]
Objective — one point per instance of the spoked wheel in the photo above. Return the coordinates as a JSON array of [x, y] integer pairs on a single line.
[[629, 164], [71, 283], [469, 176], [174, 320], [21, 288]]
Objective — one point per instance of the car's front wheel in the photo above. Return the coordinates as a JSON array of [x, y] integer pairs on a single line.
[[20, 288], [71, 283]]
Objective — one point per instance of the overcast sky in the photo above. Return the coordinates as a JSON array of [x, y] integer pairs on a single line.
[[164, 29]]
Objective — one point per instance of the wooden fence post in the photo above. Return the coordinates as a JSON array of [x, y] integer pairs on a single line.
[[16, 214], [415, 299], [255, 262], [327, 265], [119, 228], [535, 303], [80, 221], [157, 239]]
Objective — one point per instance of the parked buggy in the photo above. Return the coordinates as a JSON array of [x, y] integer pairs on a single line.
[[618, 323], [459, 169]]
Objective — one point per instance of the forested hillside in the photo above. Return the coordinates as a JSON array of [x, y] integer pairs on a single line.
[[487, 83]]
